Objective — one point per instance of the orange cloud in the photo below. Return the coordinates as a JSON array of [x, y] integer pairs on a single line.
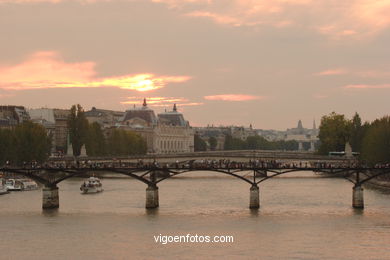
[[357, 18], [30, 1], [233, 97], [364, 86], [332, 72], [320, 96], [161, 101], [356, 73], [49, 70], [353, 19]]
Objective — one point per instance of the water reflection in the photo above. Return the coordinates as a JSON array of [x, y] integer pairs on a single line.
[[299, 218], [50, 212]]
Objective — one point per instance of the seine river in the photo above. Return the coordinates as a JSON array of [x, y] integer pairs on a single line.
[[301, 217]]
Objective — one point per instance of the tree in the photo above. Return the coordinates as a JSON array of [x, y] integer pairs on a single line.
[[199, 144], [31, 142], [376, 143], [78, 128], [357, 131], [232, 143], [95, 141], [122, 142], [257, 143], [213, 143], [7, 146], [334, 133]]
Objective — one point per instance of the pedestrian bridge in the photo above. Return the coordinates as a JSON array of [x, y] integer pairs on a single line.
[[252, 171], [215, 155]]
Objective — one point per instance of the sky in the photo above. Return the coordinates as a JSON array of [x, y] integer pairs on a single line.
[[223, 62]]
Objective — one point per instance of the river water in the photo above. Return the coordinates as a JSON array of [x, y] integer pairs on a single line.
[[301, 217]]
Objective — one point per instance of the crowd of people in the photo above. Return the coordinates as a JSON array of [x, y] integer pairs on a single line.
[[198, 164]]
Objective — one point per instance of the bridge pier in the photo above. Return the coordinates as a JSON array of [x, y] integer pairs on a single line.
[[254, 197], [151, 197], [357, 197], [50, 198]]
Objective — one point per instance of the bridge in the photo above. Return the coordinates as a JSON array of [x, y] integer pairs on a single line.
[[232, 155], [252, 168]]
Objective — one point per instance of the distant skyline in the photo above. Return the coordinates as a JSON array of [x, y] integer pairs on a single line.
[[233, 62]]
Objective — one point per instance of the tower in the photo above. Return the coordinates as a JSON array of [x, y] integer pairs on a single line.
[[300, 126]]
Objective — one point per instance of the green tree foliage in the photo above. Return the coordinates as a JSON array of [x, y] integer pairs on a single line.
[[199, 144], [78, 128], [290, 145], [213, 143], [334, 133], [95, 141], [32, 142], [376, 142], [7, 145], [25, 143], [234, 143], [121, 142], [357, 132], [258, 143]]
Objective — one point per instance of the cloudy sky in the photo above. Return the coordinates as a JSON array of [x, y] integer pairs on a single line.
[[261, 62]]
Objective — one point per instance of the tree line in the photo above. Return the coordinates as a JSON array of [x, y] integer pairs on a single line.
[[251, 143], [370, 139], [116, 142], [27, 142]]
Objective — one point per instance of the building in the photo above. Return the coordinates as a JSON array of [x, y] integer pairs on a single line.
[[61, 117], [55, 122], [45, 117], [167, 132], [241, 132], [271, 135], [105, 118], [220, 133], [306, 138], [11, 116]]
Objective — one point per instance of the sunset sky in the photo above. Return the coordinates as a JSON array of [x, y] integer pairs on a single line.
[[260, 62]]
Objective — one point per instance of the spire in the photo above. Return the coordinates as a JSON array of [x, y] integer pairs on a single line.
[[314, 124], [174, 108], [144, 104], [300, 124]]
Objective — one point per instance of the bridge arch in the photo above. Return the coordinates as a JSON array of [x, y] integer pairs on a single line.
[[175, 173], [281, 172]]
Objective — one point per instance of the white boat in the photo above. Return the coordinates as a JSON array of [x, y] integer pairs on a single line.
[[29, 184], [14, 185], [92, 185], [20, 184], [3, 188]]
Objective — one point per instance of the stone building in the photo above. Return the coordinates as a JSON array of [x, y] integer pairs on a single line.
[[105, 118], [11, 116], [56, 123], [167, 132], [306, 138], [219, 133]]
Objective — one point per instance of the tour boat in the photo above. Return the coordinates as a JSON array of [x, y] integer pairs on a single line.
[[20, 184], [14, 185], [92, 185], [3, 189], [29, 184]]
